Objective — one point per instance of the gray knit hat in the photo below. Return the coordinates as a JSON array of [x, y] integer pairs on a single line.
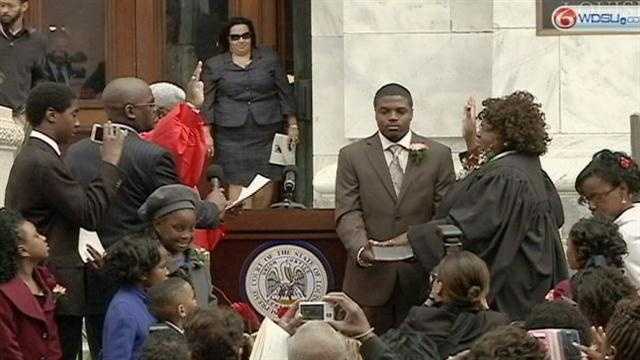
[[167, 199]]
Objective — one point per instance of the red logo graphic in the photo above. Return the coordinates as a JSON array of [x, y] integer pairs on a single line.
[[564, 18]]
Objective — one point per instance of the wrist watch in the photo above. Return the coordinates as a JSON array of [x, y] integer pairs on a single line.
[[359, 259]]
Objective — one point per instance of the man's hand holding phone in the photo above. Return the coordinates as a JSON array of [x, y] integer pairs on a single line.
[[112, 139]]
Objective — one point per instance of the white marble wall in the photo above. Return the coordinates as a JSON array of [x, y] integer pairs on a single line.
[[11, 135], [446, 50]]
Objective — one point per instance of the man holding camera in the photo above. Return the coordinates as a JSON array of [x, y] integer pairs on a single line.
[[384, 184], [42, 188], [130, 105]]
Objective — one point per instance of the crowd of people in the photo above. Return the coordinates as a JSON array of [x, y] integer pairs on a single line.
[[498, 288]]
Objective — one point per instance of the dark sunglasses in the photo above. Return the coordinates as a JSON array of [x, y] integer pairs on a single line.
[[236, 37]]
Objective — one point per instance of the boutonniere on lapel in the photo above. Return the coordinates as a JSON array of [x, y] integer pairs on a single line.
[[198, 257], [417, 152], [58, 291]]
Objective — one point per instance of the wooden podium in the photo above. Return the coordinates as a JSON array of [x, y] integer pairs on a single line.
[[252, 228]]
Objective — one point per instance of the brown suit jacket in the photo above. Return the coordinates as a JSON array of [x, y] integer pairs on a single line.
[[367, 208], [43, 190]]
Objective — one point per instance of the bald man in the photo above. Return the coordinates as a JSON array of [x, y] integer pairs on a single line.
[[317, 340], [130, 104]]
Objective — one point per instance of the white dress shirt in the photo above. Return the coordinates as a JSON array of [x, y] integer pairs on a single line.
[[38, 135], [629, 227], [405, 142]]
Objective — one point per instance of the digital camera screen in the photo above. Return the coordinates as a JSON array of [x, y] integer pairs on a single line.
[[312, 311]]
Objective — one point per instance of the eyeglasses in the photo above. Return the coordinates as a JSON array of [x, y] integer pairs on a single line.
[[150, 104], [236, 37], [594, 198], [433, 277]]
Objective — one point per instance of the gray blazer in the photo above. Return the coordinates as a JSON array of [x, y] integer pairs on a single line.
[[261, 89], [367, 208]]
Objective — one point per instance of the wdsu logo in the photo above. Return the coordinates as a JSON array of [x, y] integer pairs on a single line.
[[597, 18]]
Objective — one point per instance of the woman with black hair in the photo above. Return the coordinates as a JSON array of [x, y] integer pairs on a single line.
[[593, 242], [248, 100], [608, 185], [136, 263], [28, 328], [598, 290]]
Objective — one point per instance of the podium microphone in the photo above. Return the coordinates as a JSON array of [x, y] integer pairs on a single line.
[[288, 190], [215, 176], [289, 185]]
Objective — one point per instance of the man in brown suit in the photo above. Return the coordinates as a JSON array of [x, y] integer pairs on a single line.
[[384, 184], [43, 190]]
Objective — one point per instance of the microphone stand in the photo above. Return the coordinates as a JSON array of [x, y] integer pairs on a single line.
[[288, 203]]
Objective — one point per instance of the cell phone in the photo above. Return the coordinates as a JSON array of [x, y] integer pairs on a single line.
[[316, 310], [97, 133], [559, 343]]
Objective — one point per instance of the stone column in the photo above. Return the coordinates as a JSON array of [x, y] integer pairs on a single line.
[[11, 136]]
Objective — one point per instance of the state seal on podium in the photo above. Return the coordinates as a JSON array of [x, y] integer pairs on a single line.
[[278, 273]]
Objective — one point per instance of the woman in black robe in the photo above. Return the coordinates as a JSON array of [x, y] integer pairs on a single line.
[[507, 207]]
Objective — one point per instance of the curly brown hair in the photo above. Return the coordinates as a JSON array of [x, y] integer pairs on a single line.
[[507, 343], [214, 334], [518, 120], [598, 290], [596, 236]]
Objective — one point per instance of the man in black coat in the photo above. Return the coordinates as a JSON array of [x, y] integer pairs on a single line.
[[44, 191], [129, 104]]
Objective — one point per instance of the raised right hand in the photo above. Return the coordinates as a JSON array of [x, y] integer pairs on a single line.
[[195, 87], [469, 125], [113, 143]]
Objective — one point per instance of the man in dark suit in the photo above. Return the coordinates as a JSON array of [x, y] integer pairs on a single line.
[[44, 191], [129, 104], [384, 184]]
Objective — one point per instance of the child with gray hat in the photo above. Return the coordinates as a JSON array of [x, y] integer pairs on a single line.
[[171, 213]]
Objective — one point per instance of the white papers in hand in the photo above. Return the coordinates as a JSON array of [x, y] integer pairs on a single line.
[[257, 183], [281, 154], [392, 253], [85, 238], [270, 343]]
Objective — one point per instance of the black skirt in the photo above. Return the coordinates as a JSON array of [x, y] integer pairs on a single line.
[[244, 151]]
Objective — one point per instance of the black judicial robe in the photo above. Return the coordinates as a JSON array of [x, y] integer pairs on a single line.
[[510, 213]]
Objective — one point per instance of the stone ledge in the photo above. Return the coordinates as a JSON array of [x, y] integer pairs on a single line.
[[11, 134]]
